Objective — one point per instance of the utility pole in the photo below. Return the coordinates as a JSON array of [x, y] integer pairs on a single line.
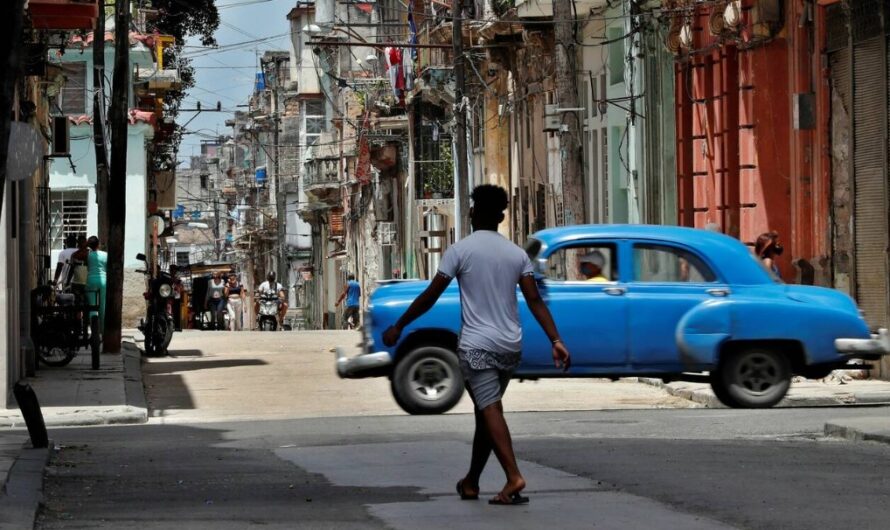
[[11, 14], [117, 184], [460, 119], [567, 98], [99, 123], [280, 207]]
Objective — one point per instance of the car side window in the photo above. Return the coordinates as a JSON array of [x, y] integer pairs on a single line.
[[662, 263], [590, 262]]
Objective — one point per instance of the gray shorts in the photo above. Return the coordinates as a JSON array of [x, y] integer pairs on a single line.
[[486, 386]]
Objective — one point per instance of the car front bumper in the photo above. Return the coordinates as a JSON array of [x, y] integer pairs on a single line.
[[363, 365], [878, 344]]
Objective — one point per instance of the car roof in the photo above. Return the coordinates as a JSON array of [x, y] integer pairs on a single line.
[[729, 255]]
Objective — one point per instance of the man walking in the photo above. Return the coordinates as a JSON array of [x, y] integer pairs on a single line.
[[352, 293], [488, 267]]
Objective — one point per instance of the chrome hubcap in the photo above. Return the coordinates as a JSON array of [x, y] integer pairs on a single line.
[[431, 379], [758, 373]]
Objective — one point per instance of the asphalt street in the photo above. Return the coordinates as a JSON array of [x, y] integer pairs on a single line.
[[314, 465]]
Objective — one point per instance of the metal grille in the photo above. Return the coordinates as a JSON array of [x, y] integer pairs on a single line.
[[43, 235], [837, 24], [865, 19], [869, 159], [68, 216]]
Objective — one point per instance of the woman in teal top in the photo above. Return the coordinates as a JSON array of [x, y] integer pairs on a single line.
[[97, 263]]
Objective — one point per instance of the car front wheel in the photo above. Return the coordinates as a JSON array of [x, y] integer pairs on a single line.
[[752, 377], [427, 381]]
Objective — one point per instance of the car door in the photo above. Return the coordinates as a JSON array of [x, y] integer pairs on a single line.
[[591, 316], [666, 281]]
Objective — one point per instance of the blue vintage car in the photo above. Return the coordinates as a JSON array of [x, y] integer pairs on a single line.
[[674, 303]]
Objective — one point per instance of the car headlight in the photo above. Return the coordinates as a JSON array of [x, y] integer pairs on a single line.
[[165, 290]]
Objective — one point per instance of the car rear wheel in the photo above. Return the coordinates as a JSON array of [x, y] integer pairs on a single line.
[[427, 381], [752, 377]]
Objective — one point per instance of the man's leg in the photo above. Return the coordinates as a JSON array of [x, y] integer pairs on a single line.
[[481, 451], [502, 444]]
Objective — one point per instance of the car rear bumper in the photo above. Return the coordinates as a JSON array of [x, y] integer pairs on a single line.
[[363, 365], [878, 344]]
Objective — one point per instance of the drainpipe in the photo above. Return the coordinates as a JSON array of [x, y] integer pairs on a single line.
[[26, 268]]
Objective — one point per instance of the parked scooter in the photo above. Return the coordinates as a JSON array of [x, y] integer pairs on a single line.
[[267, 319], [157, 326]]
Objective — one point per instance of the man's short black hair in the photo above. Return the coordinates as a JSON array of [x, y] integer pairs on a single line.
[[351, 277], [489, 202], [70, 241], [271, 275]]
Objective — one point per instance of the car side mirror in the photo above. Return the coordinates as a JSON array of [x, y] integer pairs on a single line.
[[140, 256]]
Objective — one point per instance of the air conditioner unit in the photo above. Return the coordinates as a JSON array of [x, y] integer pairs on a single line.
[[61, 142], [552, 118]]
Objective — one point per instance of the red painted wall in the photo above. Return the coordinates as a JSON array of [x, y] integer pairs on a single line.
[[740, 162]]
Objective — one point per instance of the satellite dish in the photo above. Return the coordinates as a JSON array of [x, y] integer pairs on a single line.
[[155, 224]]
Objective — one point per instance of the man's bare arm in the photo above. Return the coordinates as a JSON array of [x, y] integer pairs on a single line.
[[420, 305], [528, 286]]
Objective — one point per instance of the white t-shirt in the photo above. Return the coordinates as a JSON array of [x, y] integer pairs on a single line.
[[64, 260], [266, 288], [487, 267]]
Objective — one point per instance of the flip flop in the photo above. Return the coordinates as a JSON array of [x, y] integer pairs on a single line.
[[464, 496], [515, 499]]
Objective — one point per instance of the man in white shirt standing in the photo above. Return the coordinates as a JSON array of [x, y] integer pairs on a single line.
[[488, 267], [63, 267]]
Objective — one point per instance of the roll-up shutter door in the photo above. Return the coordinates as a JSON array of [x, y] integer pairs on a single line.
[[870, 121]]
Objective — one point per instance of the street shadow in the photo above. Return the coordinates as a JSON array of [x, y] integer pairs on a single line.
[[165, 387], [204, 474], [168, 367], [185, 353]]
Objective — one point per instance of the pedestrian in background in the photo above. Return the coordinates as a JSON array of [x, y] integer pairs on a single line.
[[215, 300], [79, 271], [63, 265], [95, 282], [235, 297], [768, 248], [487, 267], [352, 292]]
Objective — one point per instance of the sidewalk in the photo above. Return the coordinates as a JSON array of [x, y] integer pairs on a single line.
[[77, 395], [805, 393], [72, 395]]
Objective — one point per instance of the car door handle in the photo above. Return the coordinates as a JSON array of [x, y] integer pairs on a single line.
[[719, 291], [615, 291]]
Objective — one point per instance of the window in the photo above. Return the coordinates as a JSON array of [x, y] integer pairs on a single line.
[[616, 56], [658, 263], [182, 258], [204, 178], [72, 98], [313, 120], [68, 216], [595, 262]]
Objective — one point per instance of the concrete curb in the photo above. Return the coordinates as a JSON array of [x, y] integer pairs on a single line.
[[134, 389], [704, 398], [709, 400], [853, 434], [23, 491]]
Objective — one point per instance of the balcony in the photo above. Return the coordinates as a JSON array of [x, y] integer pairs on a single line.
[[158, 79], [63, 14]]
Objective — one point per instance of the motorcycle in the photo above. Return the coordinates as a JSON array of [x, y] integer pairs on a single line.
[[267, 319], [157, 326], [61, 325]]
